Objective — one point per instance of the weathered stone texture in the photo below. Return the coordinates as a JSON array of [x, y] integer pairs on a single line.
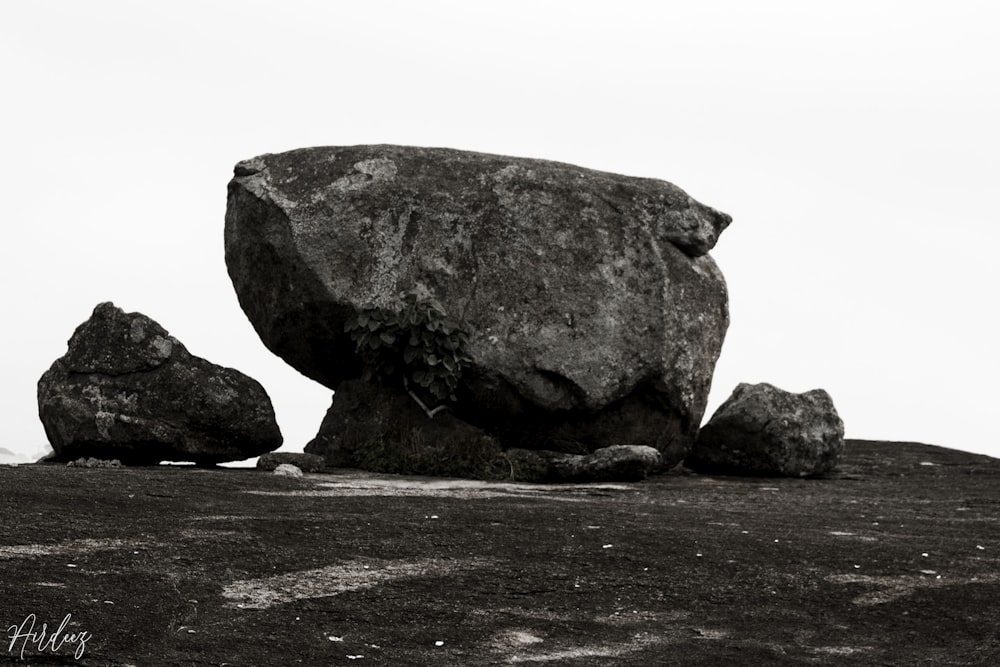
[[764, 430], [127, 390], [595, 315]]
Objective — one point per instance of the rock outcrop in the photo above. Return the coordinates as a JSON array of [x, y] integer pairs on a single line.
[[127, 390], [766, 431], [594, 314]]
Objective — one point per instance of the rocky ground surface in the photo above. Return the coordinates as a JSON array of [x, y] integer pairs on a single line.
[[892, 560]]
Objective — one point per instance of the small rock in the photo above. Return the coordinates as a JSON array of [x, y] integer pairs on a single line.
[[92, 462], [618, 463], [303, 461], [287, 470], [763, 430]]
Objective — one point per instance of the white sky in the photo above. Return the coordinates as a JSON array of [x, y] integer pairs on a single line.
[[855, 143]]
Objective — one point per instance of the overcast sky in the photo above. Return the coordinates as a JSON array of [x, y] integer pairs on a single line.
[[855, 143]]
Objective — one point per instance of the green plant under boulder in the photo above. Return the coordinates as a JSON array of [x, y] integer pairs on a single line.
[[419, 346]]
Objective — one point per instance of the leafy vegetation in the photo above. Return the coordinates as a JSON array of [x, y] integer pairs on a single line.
[[419, 346]]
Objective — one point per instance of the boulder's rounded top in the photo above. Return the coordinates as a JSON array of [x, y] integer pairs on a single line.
[[763, 392], [305, 174]]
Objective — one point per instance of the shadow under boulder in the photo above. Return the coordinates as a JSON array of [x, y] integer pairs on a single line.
[[375, 427]]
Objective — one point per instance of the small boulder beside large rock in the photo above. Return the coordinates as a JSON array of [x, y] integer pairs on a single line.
[[127, 390], [301, 460], [617, 463], [766, 431], [287, 470]]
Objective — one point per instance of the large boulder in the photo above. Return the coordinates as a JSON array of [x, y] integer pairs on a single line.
[[763, 430], [593, 312], [128, 390]]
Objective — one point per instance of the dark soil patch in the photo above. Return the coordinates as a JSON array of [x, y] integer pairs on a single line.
[[892, 561]]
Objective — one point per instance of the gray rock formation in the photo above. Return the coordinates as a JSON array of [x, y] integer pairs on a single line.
[[301, 460], [127, 390], [617, 463], [594, 314], [287, 470], [763, 430]]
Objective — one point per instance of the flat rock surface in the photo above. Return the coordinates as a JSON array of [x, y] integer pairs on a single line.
[[893, 560]]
